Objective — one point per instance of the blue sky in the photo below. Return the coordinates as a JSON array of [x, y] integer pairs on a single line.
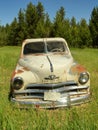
[[78, 8]]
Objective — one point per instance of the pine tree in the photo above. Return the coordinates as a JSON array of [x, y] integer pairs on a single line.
[[31, 19], [84, 34], [93, 25], [22, 30], [75, 39], [58, 27], [13, 33]]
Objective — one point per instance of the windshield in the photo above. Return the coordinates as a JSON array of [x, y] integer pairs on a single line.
[[41, 47], [37, 47], [55, 47]]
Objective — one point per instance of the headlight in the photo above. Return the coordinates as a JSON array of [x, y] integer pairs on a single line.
[[83, 78], [17, 83]]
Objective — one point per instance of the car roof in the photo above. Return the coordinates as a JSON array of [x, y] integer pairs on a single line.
[[43, 39]]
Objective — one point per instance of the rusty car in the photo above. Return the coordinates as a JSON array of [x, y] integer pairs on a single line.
[[47, 76]]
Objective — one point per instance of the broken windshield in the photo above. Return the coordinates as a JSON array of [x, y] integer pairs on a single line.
[[55, 47], [41, 47]]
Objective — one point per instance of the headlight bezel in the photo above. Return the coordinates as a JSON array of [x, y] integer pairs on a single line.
[[83, 78], [17, 83]]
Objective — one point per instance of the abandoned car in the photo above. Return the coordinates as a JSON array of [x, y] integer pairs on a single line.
[[46, 75]]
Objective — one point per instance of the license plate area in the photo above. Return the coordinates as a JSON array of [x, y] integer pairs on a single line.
[[52, 96]]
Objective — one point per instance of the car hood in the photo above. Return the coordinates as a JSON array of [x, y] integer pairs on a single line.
[[48, 67]]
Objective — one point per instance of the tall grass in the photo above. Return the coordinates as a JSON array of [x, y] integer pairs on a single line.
[[83, 117]]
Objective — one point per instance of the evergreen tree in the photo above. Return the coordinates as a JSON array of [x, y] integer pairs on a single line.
[[93, 25], [84, 34], [43, 27], [40, 25], [66, 31], [61, 27], [58, 28], [75, 39], [31, 19], [3, 36], [22, 30], [48, 26], [13, 33], [34, 22], [40, 11]]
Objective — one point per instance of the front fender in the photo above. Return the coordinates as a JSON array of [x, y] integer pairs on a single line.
[[28, 77]]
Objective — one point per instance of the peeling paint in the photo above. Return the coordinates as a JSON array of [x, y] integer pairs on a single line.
[[77, 69], [25, 68], [13, 74], [19, 71]]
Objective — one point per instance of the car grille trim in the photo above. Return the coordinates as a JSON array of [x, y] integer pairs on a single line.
[[42, 95], [50, 85], [63, 89], [36, 91]]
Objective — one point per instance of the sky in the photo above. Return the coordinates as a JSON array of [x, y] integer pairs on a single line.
[[9, 9]]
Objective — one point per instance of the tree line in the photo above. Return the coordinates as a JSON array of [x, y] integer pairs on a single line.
[[33, 22]]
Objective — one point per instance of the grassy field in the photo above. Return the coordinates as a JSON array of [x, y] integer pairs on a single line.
[[84, 117]]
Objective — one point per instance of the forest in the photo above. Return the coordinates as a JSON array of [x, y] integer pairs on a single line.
[[34, 22]]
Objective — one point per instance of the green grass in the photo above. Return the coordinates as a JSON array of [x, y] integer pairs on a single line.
[[84, 117]]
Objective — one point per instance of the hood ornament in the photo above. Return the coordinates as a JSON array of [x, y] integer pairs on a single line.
[[51, 77]]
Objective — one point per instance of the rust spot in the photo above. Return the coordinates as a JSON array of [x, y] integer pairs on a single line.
[[37, 106], [19, 71], [13, 74], [16, 72], [58, 53], [38, 54], [25, 68], [78, 69], [53, 104]]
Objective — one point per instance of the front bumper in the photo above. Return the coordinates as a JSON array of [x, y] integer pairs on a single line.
[[64, 102], [52, 95]]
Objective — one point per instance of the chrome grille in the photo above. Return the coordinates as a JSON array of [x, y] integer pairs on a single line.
[[36, 91]]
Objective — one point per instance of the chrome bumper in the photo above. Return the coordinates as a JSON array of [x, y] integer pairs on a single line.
[[67, 94], [63, 102]]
